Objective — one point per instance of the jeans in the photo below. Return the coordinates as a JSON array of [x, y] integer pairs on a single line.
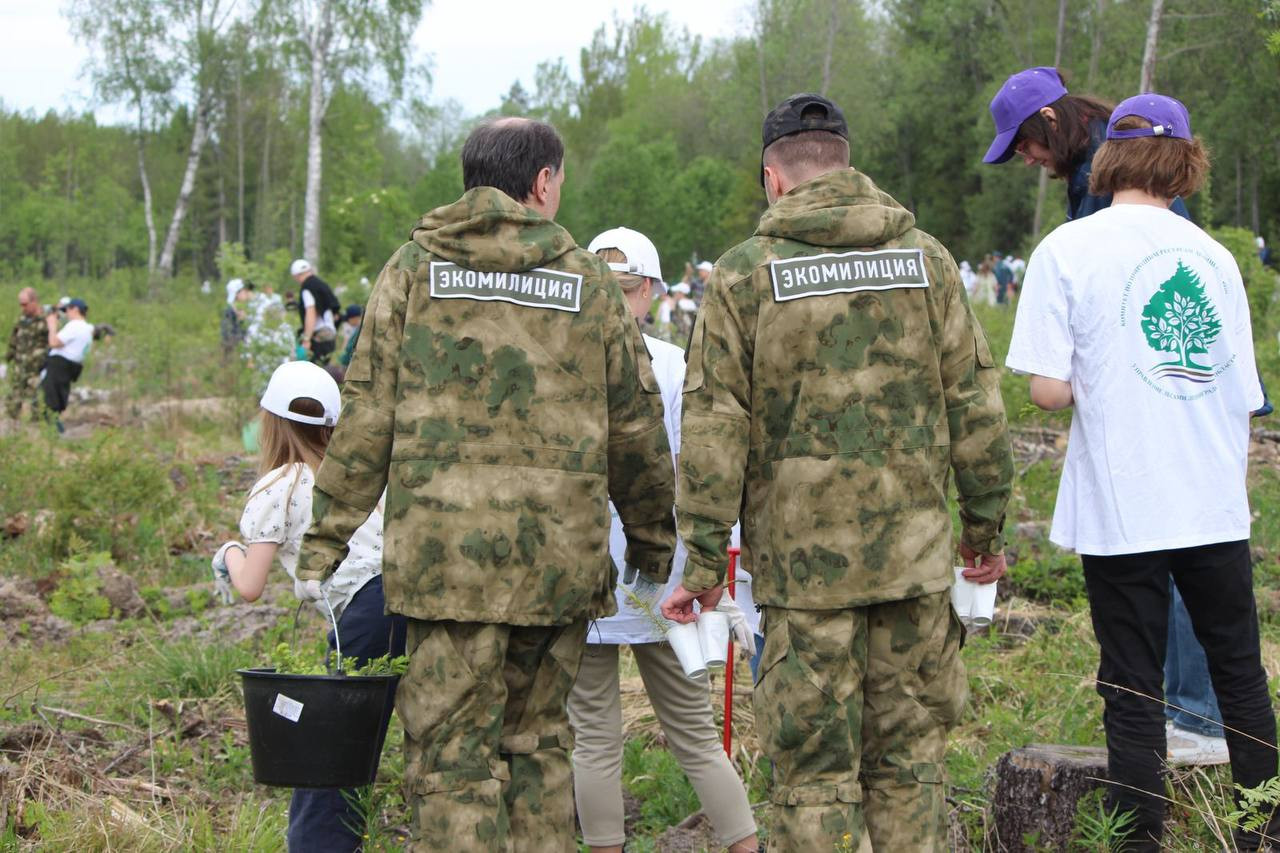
[[755, 659], [321, 820], [1192, 703], [1129, 605]]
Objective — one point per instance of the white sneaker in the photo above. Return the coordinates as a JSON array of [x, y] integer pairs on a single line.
[[1192, 748]]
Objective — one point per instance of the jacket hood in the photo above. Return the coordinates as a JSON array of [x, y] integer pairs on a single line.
[[839, 209], [488, 231]]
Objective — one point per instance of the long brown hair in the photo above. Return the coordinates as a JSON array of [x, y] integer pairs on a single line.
[[282, 442], [1069, 142]]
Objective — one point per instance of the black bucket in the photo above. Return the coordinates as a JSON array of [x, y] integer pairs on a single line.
[[315, 731]]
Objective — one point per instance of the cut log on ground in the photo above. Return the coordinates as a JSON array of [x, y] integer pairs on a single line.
[[1037, 788]]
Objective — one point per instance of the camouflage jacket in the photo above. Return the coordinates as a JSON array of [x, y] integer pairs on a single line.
[[502, 393], [28, 345], [836, 373]]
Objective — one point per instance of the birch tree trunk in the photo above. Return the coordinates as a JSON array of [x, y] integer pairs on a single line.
[[1095, 50], [315, 151], [264, 223], [1043, 189], [147, 213], [1148, 80], [1256, 217], [764, 93], [198, 138], [239, 158], [832, 21]]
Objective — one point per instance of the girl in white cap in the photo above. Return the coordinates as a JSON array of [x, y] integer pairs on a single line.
[[682, 705], [299, 411]]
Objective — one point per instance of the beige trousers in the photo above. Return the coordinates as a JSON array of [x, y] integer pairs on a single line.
[[683, 708]]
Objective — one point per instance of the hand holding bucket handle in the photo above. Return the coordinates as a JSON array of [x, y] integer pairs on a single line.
[[317, 591]]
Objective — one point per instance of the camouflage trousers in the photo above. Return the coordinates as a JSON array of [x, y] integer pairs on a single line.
[[487, 735], [22, 391], [853, 707]]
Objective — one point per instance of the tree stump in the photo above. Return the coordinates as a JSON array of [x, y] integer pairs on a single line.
[[1037, 788]]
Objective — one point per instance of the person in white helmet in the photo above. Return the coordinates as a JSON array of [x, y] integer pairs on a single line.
[[682, 705], [318, 310]]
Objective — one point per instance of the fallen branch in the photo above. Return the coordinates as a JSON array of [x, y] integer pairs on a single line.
[[63, 712], [121, 758]]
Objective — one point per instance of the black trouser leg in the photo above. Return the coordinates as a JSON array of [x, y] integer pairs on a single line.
[[1129, 605], [1216, 582]]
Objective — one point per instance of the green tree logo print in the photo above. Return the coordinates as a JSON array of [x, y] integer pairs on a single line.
[[1181, 319]]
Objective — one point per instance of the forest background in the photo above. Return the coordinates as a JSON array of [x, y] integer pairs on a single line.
[[661, 127]]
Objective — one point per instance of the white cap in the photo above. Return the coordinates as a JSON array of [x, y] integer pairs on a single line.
[[233, 288], [295, 379], [687, 305], [299, 266], [705, 265], [642, 256], [680, 287]]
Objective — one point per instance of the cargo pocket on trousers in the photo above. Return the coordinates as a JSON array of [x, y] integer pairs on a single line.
[[945, 686], [435, 684], [793, 714]]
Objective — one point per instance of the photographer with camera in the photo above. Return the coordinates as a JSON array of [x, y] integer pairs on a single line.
[[67, 348]]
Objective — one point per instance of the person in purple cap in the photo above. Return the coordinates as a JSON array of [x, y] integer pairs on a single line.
[[1139, 320], [1039, 120]]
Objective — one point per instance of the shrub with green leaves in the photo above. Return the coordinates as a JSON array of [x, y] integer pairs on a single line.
[[78, 597]]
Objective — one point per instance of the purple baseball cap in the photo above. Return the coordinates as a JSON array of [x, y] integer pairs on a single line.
[[1167, 115], [1021, 97]]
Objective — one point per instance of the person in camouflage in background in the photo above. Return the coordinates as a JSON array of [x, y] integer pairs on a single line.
[[502, 394], [836, 374], [28, 348]]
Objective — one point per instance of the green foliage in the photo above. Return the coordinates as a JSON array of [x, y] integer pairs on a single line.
[[1256, 804], [287, 661], [78, 596], [654, 778], [1098, 829], [1054, 577], [1259, 282], [187, 668]]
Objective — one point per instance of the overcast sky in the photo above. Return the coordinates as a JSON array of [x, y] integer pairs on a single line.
[[479, 47]]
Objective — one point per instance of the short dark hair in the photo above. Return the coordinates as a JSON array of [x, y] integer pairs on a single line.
[[1070, 142], [507, 154], [809, 150], [1165, 167]]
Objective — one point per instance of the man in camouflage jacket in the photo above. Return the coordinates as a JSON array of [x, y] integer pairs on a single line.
[[502, 395], [28, 348], [836, 375]]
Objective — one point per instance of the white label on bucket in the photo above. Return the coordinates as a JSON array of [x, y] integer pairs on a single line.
[[290, 709]]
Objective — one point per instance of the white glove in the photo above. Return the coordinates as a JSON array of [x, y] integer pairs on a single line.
[[738, 624], [311, 591], [221, 574]]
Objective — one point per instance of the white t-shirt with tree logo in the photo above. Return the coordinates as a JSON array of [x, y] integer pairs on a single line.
[[1146, 316]]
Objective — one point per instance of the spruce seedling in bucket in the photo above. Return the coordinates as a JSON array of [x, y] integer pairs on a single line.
[[318, 730]]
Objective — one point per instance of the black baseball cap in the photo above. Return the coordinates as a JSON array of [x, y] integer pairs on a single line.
[[790, 117]]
